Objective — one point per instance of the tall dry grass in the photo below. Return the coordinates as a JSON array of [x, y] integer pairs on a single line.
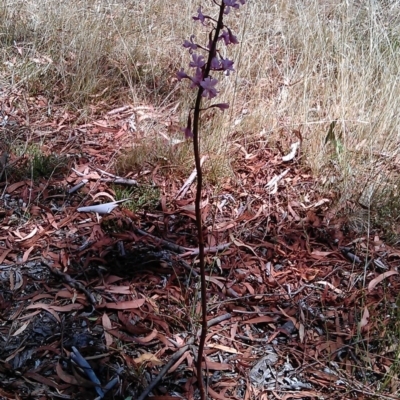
[[300, 65]]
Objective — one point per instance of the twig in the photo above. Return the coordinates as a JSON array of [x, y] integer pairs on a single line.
[[70, 281], [243, 337], [165, 369], [189, 181], [118, 110], [115, 179], [167, 366], [187, 251], [217, 320]]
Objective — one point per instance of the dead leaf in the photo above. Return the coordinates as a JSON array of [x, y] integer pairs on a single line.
[[301, 332], [117, 289], [320, 255], [26, 254], [15, 186], [107, 325], [336, 290], [380, 278], [216, 366], [124, 305], [365, 318], [223, 348], [216, 395], [148, 357], [238, 243], [103, 194], [21, 329], [45, 307], [64, 376], [258, 320], [67, 308], [33, 233]]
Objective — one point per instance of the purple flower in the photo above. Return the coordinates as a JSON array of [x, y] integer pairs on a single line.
[[225, 36], [198, 61], [188, 132], [208, 86], [200, 16], [228, 37], [189, 44], [196, 78], [229, 4], [214, 63], [232, 37], [227, 66], [181, 75]]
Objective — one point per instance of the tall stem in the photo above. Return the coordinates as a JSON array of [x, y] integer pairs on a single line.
[[199, 187]]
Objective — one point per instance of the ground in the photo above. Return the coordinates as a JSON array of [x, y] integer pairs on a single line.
[[300, 306]]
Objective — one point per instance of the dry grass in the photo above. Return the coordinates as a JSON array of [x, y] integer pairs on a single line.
[[300, 65]]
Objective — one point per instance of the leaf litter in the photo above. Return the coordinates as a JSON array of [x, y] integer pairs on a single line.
[[108, 305]]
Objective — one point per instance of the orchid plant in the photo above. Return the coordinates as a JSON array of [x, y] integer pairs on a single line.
[[205, 61]]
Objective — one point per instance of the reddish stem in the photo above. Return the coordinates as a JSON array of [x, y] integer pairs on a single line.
[[199, 186]]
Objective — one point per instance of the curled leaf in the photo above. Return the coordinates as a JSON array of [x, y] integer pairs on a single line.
[[379, 279]]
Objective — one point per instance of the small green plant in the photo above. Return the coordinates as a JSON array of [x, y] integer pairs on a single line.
[[143, 197], [32, 163], [45, 165]]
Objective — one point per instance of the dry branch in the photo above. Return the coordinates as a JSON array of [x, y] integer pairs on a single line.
[[189, 181]]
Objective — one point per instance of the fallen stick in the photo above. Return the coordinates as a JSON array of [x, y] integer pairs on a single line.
[[187, 251], [113, 178], [189, 181], [165, 369], [176, 356], [70, 281]]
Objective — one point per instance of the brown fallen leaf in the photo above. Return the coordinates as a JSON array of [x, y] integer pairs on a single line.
[[67, 308], [44, 307], [21, 329], [223, 348], [216, 395], [67, 378], [380, 278], [148, 357], [15, 186], [124, 305], [365, 318], [107, 325], [216, 366], [33, 233], [262, 319]]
